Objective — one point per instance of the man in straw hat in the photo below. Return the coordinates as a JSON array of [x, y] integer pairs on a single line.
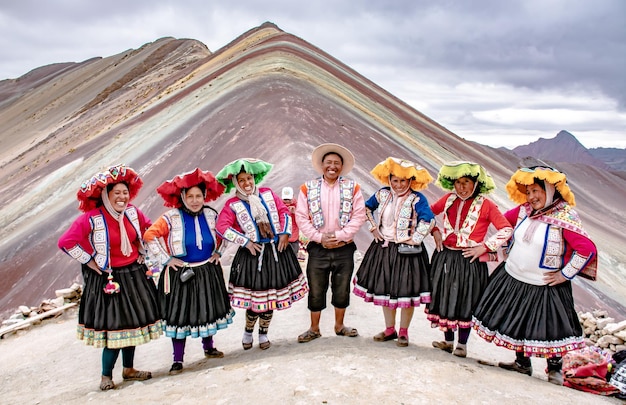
[[330, 211]]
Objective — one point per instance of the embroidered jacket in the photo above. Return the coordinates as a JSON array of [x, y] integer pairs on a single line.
[[472, 228], [236, 224], [344, 205], [413, 221], [89, 237], [171, 228], [567, 246]]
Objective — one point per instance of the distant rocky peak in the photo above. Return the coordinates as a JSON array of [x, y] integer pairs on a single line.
[[564, 147]]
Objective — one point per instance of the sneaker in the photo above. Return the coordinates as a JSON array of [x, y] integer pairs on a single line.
[[446, 347], [555, 377], [515, 366], [176, 368], [460, 352], [213, 353]]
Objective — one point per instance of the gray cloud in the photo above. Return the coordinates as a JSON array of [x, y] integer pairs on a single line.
[[558, 46]]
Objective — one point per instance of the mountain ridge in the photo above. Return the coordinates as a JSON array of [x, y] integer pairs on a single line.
[[173, 104]]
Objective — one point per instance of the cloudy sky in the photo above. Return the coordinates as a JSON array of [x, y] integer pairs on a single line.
[[502, 73]]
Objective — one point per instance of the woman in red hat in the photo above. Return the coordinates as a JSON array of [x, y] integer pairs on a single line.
[[119, 307], [193, 296]]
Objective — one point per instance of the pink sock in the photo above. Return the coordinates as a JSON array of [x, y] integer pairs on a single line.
[[404, 332], [390, 330]]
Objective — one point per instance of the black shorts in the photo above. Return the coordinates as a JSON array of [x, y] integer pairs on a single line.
[[329, 265]]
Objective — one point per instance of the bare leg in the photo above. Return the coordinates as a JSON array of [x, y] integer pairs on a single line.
[[406, 314], [340, 313], [390, 317], [315, 321]]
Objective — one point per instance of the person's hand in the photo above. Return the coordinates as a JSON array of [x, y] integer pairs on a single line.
[[377, 236], [92, 265], [254, 248], [283, 242], [554, 278], [175, 263], [474, 253], [141, 259], [329, 240], [215, 258], [438, 240]]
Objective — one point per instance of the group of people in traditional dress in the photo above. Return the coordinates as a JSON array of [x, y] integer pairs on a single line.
[[525, 304]]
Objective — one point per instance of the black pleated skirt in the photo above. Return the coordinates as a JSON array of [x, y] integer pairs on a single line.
[[261, 283], [457, 286], [540, 321], [128, 318], [393, 280], [198, 307]]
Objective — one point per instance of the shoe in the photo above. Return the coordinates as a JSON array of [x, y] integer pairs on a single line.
[[246, 346], [213, 353], [460, 352], [381, 337], [515, 366], [347, 331], [403, 341], [265, 345], [176, 368], [555, 377], [308, 336], [446, 347], [139, 375], [106, 383]]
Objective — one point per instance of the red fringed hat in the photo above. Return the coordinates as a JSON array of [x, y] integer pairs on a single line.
[[171, 189], [90, 192]]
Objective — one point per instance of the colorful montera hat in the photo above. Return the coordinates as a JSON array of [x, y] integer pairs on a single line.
[[525, 176], [452, 171], [90, 193], [171, 190], [258, 168], [402, 168]]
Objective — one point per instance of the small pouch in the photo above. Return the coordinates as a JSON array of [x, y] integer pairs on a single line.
[[186, 273], [405, 249]]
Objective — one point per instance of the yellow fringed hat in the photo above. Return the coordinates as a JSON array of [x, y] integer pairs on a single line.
[[516, 187], [402, 168], [452, 171]]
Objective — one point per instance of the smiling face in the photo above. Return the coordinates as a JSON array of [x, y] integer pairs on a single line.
[[332, 166], [194, 199], [536, 196], [399, 184], [119, 197], [464, 187], [245, 181]]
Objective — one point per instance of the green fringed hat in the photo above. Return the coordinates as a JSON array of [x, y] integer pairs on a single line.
[[452, 171], [258, 168]]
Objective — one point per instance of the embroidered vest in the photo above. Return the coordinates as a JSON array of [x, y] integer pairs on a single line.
[[246, 222], [469, 223], [175, 240], [100, 235], [346, 192], [405, 217]]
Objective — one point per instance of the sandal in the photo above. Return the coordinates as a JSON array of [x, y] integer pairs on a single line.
[[446, 347], [308, 336], [138, 376], [106, 384], [381, 337], [347, 331], [265, 345]]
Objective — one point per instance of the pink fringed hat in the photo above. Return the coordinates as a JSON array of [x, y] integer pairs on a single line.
[[171, 190], [90, 193]]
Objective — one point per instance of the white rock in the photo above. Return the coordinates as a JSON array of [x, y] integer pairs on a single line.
[[584, 315], [24, 310], [66, 293], [619, 348], [590, 323], [621, 334], [600, 313], [612, 328], [607, 340], [602, 323]]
